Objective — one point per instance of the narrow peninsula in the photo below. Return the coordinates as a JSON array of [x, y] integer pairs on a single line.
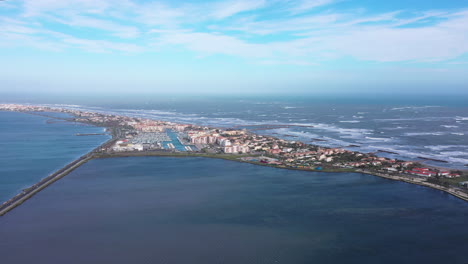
[[135, 136]]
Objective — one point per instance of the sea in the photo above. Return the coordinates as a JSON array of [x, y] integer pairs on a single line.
[[197, 210], [411, 127], [32, 147]]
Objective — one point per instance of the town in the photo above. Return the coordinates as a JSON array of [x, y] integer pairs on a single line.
[[147, 137]]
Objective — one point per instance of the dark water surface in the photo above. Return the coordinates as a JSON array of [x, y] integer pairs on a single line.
[[32, 148], [195, 210]]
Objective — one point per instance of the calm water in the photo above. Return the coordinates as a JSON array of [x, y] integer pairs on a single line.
[[194, 210], [31, 149], [410, 125]]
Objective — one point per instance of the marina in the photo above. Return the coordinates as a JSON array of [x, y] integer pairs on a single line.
[[150, 138]]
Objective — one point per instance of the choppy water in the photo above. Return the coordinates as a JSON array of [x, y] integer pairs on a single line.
[[412, 126], [194, 210], [31, 148]]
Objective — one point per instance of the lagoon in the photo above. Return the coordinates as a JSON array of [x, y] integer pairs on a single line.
[[199, 210]]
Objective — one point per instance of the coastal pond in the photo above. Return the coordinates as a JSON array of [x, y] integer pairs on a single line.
[[199, 210]]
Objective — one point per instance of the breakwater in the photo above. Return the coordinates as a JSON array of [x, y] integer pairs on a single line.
[[42, 184], [91, 134]]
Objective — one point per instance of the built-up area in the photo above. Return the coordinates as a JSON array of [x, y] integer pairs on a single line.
[[135, 134]]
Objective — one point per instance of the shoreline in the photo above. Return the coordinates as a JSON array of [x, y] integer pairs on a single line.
[[28, 193], [101, 152], [458, 194]]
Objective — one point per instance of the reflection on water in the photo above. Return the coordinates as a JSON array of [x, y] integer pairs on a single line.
[[194, 210]]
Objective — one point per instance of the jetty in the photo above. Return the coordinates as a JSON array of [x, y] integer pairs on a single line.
[[90, 134], [431, 159], [387, 151], [42, 184]]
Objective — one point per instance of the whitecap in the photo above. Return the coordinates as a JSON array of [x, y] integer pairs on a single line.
[[350, 121], [424, 134], [379, 139], [444, 147]]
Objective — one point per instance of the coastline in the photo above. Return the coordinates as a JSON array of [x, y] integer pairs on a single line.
[[451, 191], [102, 151], [95, 154], [47, 181]]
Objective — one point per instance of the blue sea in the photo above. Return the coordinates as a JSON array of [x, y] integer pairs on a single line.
[[196, 210], [32, 148], [411, 125]]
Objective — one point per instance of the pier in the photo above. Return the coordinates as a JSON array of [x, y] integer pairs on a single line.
[[42, 184]]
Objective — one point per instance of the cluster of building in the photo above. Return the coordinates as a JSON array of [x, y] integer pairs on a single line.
[[23, 108], [229, 141], [427, 172], [124, 145], [147, 125]]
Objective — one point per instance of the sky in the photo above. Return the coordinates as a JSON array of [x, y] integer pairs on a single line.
[[234, 46]]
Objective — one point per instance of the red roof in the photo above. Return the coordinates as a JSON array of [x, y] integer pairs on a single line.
[[425, 173]]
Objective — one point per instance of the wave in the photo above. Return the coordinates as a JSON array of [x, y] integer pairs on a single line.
[[350, 121], [288, 131], [455, 157], [289, 107], [412, 107], [411, 134], [379, 139], [447, 126], [424, 119], [444, 147], [393, 128], [454, 153]]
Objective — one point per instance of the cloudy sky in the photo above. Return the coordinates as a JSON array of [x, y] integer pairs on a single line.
[[233, 46]]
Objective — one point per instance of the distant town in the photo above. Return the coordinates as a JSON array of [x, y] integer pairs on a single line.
[[132, 136]]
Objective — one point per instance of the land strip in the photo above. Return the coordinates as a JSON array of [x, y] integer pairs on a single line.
[[47, 181], [135, 137]]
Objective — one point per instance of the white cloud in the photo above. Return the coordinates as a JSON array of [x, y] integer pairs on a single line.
[[158, 14], [207, 43], [401, 44], [106, 25], [101, 46], [292, 31], [230, 8], [34, 8], [306, 5]]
